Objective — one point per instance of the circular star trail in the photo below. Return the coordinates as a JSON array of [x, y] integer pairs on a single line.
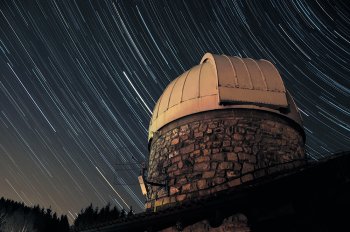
[[79, 79]]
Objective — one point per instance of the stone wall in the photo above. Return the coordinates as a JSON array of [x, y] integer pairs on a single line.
[[212, 151], [236, 223]]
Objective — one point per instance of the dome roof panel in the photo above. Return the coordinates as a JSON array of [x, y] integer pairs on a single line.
[[208, 81], [164, 101], [242, 74], [221, 82], [273, 79], [176, 95], [255, 74], [226, 70], [191, 85]]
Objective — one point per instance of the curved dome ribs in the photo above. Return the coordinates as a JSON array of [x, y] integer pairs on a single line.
[[244, 80], [221, 82]]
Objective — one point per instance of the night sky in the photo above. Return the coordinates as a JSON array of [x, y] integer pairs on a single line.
[[79, 80]]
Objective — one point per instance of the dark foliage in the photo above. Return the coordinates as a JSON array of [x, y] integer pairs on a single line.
[[38, 218], [92, 216]]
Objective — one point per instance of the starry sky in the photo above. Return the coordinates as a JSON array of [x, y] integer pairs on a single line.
[[79, 80]]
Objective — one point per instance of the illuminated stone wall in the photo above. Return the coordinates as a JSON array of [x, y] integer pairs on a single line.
[[208, 152]]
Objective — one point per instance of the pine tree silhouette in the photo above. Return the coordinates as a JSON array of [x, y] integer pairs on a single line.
[[90, 216], [15, 216]]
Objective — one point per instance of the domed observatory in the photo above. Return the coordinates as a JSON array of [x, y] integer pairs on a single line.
[[224, 122]]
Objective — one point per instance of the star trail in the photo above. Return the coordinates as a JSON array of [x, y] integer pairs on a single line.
[[79, 79]]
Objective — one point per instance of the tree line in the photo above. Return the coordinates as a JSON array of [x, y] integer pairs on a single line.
[[15, 216], [92, 216]]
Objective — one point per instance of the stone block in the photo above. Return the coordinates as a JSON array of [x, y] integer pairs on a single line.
[[231, 156], [179, 172], [220, 173], [247, 149], [196, 152], [202, 184], [247, 178], [203, 166], [202, 127], [199, 134], [181, 180], [234, 182], [219, 188], [218, 180], [237, 166], [188, 161], [175, 130], [227, 149], [186, 188], [242, 156], [166, 163], [183, 137], [193, 188], [175, 141], [259, 173], [175, 159], [204, 192], [184, 128], [172, 168], [187, 149], [208, 174], [226, 143], [216, 144], [219, 130], [181, 197], [194, 125], [225, 165], [188, 142], [206, 151], [218, 156], [247, 167], [162, 193], [191, 177], [230, 174], [237, 136], [230, 122], [158, 203], [252, 159], [212, 125], [202, 159], [240, 129], [166, 200]]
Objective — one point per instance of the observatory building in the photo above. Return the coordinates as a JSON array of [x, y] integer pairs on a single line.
[[226, 153], [224, 122]]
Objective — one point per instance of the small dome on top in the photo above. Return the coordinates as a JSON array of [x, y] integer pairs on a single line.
[[223, 82]]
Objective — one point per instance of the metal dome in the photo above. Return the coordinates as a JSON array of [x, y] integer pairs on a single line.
[[223, 82]]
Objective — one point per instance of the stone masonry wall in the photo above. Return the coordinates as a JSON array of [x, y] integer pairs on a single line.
[[236, 223], [212, 151]]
